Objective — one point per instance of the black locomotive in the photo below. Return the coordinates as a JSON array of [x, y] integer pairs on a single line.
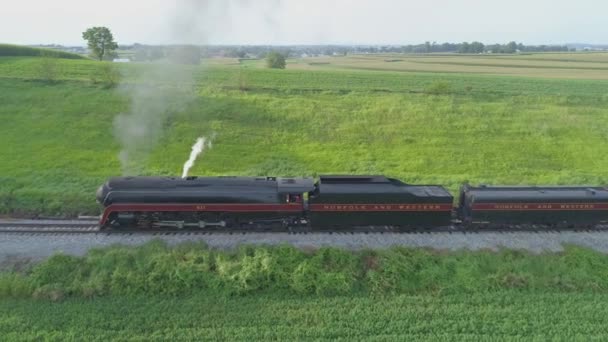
[[339, 202], [203, 201]]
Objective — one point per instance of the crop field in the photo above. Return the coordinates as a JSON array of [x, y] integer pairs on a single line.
[[58, 142], [548, 65], [484, 316], [19, 50], [193, 292]]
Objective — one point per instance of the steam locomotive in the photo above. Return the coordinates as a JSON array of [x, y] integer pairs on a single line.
[[340, 202]]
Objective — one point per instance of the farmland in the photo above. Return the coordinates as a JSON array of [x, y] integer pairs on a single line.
[[193, 292], [18, 50], [535, 119], [525, 119], [552, 65], [484, 316]]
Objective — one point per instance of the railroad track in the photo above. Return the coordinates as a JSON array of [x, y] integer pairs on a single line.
[[37, 239], [48, 226], [91, 227]]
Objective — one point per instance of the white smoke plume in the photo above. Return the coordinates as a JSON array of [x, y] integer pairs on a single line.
[[158, 90], [155, 94], [197, 149]]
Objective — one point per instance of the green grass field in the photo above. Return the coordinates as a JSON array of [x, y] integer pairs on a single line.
[[57, 140], [486, 316], [526, 119], [260, 293]]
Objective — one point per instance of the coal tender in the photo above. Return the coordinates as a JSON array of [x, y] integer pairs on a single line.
[[350, 201]]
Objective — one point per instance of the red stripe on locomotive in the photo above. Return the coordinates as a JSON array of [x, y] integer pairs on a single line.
[[538, 206], [356, 207], [212, 207]]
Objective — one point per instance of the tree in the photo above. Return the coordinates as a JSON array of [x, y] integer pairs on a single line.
[[511, 47], [427, 47], [100, 41], [275, 60], [464, 48], [476, 47]]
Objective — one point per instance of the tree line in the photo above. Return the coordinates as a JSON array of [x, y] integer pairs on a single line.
[[101, 43], [150, 52]]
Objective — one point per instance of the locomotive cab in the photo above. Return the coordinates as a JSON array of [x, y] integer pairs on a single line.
[[294, 190]]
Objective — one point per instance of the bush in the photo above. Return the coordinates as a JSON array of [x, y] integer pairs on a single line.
[[60, 269], [330, 271], [438, 88], [247, 273], [156, 269], [275, 60], [14, 285], [52, 292], [106, 74], [48, 70]]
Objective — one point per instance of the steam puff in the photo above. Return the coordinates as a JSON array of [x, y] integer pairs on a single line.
[[157, 90], [156, 93], [197, 149]]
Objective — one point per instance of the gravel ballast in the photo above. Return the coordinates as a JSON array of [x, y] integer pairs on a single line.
[[14, 246]]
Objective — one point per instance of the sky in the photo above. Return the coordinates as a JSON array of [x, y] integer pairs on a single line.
[[286, 22]]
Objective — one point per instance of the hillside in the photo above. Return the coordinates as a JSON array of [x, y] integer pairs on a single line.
[[422, 127], [20, 50]]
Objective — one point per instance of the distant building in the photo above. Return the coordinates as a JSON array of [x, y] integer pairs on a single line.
[[121, 60]]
